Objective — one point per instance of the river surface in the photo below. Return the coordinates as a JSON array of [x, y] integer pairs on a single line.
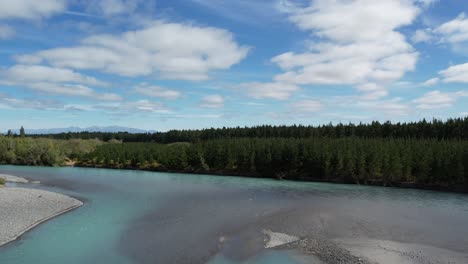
[[146, 217]]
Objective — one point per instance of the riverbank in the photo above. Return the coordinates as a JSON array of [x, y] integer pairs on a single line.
[[22, 209], [287, 177]]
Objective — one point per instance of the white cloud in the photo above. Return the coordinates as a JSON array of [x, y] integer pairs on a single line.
[[453, 74], [456, 73], [306, 106], [168, 50], [272, 90], [431, 82], [371, 91], [422, 35], [30, 9], [72, 90], [30, 74], [436, 99], [145, 106], [6, 32], [455, 30], [351, 21], [158, 92], [358, 43], [51, 80], [212, 101], [30, 103]]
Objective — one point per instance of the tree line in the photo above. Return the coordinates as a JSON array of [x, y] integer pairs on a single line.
[[456, 128], [381, 161], [421, 153]]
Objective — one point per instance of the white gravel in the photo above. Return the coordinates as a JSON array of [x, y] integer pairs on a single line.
[[14, 179], [22, 209], [278, 239], [390, 252]]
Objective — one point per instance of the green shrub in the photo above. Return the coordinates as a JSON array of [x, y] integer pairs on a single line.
[[2, 181]]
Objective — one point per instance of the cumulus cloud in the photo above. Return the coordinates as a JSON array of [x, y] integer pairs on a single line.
[[212, 101], [350, 21], [455, 30], [26, 9], [358, 43], [30, 9], [158, 92], [167, 50], [453, 74], [271, 90], [456, 73]]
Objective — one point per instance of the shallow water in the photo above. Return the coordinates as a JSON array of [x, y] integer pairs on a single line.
[[145, 217]]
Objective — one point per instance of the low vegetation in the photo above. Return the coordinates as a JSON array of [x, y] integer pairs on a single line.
[[42, 151]]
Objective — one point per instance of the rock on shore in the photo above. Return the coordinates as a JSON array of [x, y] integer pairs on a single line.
[[22, 209]]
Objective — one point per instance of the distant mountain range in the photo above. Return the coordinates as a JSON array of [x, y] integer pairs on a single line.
[[111, 129]]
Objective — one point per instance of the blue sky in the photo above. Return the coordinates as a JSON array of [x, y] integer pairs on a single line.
[[179, 64]]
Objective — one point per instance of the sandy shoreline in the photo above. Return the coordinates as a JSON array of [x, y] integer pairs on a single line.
[[22, 209]]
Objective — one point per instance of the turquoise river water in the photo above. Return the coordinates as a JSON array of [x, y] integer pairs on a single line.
[[146, 217]]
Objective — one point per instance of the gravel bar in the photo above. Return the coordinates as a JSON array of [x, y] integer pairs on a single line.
[[22, 209], [14, 179]]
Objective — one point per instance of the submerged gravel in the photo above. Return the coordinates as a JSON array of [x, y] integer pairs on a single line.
[[22, 209]]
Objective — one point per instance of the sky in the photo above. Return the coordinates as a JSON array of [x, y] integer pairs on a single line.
[[188, 64]]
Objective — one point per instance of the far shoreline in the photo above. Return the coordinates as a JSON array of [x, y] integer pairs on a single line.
[[403, 185]]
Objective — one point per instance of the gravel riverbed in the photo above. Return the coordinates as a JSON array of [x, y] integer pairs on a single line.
[[22, 209]]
